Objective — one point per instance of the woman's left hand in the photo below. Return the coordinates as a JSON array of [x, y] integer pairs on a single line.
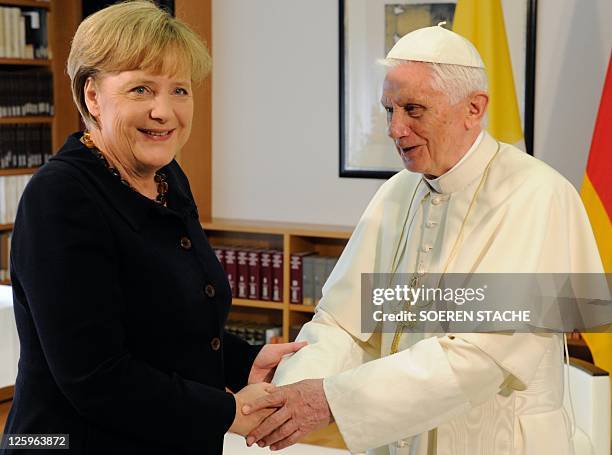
[[269, 357]]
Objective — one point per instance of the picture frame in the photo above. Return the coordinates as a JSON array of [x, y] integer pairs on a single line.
[[365, 35]]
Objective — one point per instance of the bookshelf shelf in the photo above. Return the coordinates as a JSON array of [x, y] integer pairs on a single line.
[[301, 308], [25, 62], [5, 282], [6, 227], [27, 3], [273, 227], [26, 119], [258, 304], [18, 171]]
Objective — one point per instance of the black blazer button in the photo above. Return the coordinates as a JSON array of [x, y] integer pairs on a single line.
[[215, 344], [209, 290], [185, 243]]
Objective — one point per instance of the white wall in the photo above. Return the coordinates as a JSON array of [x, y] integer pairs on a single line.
[[574, 42], [275, 114], [275, 104]]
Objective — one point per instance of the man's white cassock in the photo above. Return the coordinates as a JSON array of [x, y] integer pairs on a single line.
[[485, 393]]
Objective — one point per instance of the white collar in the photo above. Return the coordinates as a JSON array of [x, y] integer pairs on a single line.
[[435, 183]]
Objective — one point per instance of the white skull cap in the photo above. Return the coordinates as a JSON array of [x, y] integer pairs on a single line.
[[436, 45]]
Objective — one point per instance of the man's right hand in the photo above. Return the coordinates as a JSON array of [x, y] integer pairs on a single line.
[[242, 424]]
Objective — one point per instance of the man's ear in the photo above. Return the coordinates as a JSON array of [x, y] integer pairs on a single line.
[[477, 108], [91, 97]]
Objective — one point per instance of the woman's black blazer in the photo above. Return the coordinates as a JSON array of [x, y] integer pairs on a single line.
[[120, 306]]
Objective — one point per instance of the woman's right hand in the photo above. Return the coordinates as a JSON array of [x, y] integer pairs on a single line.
[[242, 424]]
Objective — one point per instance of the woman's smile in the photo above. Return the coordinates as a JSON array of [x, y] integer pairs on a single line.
[[156, 135]]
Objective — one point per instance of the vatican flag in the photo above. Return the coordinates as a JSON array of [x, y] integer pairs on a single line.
[[482, 22]]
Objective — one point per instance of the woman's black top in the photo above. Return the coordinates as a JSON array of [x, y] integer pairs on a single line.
[[120, 306]]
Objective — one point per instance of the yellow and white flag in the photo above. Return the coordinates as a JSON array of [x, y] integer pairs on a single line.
[[482, 22]]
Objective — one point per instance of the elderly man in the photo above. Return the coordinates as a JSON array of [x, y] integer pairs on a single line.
[[466, 203]]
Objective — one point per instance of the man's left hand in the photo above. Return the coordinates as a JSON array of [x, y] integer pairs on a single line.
[[268, 358], [302, 408]]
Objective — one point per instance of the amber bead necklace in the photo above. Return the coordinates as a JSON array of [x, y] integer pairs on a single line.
[[160, 178]]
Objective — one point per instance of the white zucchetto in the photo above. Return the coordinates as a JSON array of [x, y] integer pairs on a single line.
[[436, 45]]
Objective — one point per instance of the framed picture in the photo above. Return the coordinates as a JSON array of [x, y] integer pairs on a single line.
[[368, 30]]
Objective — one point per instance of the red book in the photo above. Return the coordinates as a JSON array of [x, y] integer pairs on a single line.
[[231, 269], [254, 275], [265, 262], [296, 277], [277, 276], [243, 273]]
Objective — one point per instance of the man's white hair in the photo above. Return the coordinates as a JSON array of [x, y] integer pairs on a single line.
[[457, 81]]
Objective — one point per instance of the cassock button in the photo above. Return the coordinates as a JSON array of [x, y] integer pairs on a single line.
[[209, 290], [435, 200], [426, 248], [185, 243], [430, 224], [215, 344]]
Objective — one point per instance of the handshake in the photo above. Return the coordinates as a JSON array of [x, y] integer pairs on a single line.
[[278, 416]]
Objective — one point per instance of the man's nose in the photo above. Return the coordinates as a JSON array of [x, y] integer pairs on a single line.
[[398, 125]]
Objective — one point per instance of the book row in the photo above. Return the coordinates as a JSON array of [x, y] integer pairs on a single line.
[[11, 189], [24, 93], [253, 273], [5, 253], [257, 274], [309, 272], [23, 33], [25, 145], [255, 334]]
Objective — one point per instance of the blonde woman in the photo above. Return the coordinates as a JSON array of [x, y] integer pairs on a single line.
[[119, 300]]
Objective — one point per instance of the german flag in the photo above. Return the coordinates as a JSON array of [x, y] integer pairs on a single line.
[[596, 194]]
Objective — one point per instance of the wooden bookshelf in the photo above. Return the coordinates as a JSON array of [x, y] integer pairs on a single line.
[[26, 119], [25, 61], [18, 171], [27, 3], [6, 227], [61, 28], [326, 240]]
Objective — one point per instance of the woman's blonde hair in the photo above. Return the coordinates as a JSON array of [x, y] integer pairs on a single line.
[[129, 36]]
